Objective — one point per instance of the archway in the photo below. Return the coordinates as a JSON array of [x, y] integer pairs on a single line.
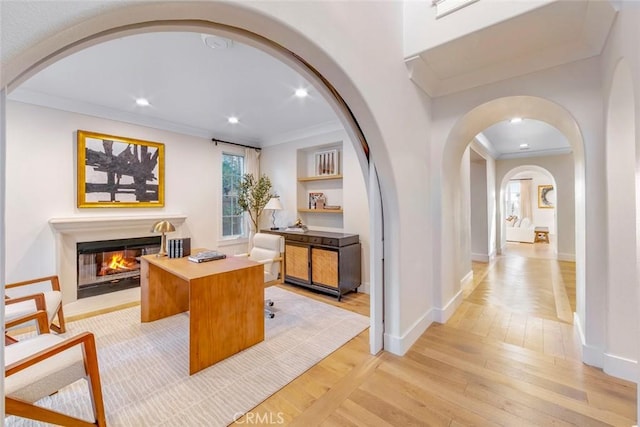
[[465, 129], [272, 36], [622, 225], [539, 218]]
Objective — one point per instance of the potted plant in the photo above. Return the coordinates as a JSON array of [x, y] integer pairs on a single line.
[[253, 195]]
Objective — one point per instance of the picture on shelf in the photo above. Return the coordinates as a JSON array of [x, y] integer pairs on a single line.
[[314, 198], [326, 162]]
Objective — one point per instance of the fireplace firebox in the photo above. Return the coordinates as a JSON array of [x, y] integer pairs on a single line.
[[112, 265]]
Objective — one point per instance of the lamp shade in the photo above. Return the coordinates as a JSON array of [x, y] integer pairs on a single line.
[[163, 226], [273, 204]]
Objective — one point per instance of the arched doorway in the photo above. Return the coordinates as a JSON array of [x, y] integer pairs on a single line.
[[449, 255], [534, 176], [245, 25]]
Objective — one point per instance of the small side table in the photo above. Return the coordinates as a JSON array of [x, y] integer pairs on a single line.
[[542, 235]]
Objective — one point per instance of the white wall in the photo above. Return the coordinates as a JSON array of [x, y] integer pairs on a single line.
[[41, 183], [279, 162], [464, 214], [623, 137], [480, 248]]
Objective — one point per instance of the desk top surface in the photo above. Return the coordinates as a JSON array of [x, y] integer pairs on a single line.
[[188, 270]]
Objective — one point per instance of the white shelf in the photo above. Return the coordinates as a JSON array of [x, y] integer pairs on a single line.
[[320, 211]]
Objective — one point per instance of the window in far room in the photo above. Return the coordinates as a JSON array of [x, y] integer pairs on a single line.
[[232, 215], [512, 199]]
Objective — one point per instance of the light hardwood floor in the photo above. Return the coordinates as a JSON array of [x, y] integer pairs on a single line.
[[509, 356]]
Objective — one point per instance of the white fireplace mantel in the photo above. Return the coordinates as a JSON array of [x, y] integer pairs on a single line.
[[92, 223], [70, 231]]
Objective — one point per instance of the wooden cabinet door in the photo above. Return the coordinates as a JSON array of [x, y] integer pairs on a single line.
[[296, 261], [324, 267]]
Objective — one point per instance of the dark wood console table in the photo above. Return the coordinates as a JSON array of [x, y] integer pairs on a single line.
[[324, 261]]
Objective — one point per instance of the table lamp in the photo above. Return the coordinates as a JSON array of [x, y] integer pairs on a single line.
[[273, 205], [163, 227]]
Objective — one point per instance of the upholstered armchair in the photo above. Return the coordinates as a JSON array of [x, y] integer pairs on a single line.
[[40, 366], [23, 297]]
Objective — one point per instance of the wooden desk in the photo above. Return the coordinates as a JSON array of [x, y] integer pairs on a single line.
[[542, 235], [225, 300]]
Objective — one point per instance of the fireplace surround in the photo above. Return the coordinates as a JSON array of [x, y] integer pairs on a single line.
[[71, 231]]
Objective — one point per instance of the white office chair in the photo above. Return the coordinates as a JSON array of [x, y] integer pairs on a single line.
[[267, 249]]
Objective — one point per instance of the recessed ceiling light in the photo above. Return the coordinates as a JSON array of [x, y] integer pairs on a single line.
[[302, 93], [515, 120], [143, 102], [216, 42], [524, 146], [233, 120]]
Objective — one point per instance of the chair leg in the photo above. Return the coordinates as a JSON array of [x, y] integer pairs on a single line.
[[93, 376], [61, 329]]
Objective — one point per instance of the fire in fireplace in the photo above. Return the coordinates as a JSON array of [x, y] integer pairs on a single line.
[[112, 265]]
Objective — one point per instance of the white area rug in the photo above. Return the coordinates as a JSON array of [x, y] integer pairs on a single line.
[[144, 367]]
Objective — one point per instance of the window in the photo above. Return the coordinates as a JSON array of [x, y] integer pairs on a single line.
[[513, 199], [232, 216]]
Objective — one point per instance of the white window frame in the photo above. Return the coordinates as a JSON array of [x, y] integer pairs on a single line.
[[235, 237]]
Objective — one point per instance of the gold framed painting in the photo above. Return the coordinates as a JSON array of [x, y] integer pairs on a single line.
[[115, 171], [546, 197]]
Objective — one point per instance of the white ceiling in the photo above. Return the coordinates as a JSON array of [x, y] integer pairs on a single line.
[[192, 88], [558, 32], [504, 139]]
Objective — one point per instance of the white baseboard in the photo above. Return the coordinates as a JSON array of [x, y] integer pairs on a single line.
[[441, 315], [399, 345], [365, 288], [621, 367], [467, 279], [591, 355], [480, 257], [611, 364], [493, 255], [566, 257]]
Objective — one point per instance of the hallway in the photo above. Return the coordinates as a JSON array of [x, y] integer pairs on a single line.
[[524, 298], [506, 357]]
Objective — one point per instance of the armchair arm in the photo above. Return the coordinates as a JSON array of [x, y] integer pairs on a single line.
[[38, 299], [55, 282], [85, 338], [39, 316]]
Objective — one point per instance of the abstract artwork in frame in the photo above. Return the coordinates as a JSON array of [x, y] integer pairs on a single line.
[[546, 197], [115, 171]]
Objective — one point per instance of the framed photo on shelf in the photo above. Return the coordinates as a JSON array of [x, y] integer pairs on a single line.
[[327, 163], [115, 171], [313, 199]]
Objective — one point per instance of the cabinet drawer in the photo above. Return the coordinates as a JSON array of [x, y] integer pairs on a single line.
[[315, 239], [330, 241], [296, 238]]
